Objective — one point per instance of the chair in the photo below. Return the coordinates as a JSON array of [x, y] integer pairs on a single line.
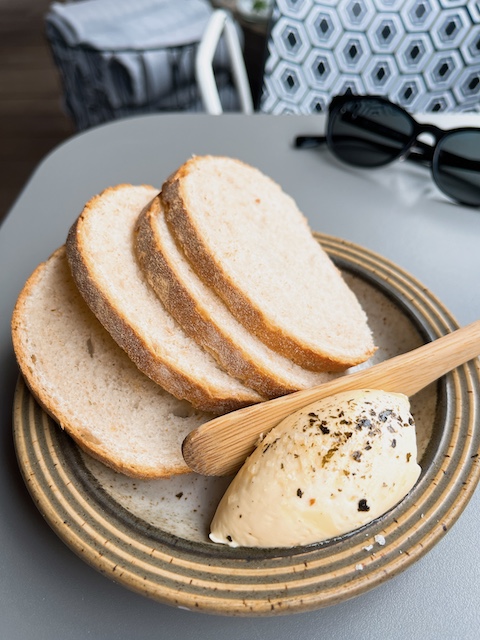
[[117, 58], [220, 24]]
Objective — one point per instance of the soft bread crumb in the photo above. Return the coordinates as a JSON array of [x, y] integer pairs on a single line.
[[100, 251], [207, 319], [100, 398], [248, 239]]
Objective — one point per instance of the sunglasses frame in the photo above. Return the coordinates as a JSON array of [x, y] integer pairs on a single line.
[[413, 149]]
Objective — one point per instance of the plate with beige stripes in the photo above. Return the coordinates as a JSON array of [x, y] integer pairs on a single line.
[[152, 536]]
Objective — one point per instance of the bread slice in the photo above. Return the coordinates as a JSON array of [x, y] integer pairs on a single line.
[[248, 240], [102, 259], [206, 318], [87, 383]]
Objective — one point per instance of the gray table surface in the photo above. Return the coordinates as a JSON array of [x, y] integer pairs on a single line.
[[46, 592]]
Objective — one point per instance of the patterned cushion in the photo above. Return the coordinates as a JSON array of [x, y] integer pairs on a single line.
[[421, 54]]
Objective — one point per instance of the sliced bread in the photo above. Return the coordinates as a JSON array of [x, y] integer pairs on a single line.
[[100, 250], [248, 240], [89, 385], [206, 318]]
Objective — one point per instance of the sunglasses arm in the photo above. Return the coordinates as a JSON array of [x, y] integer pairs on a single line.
[[312, 142], [309, 142], [420, 153]]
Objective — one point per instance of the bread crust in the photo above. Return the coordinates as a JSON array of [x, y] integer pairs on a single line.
[[174, 379], [182, 224], [196, 320], [53, 406]]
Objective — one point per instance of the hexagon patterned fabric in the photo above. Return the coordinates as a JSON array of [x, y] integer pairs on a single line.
[[421, 54]]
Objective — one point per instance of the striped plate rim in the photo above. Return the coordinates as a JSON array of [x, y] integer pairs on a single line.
[[266, 582]]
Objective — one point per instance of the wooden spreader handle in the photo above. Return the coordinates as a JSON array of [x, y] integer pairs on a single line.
[[220, 446]]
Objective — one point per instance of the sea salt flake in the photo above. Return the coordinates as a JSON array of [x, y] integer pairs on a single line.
[[379, 539], [359, 567]]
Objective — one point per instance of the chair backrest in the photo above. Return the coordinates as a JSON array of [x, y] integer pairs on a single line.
[[220, 24], [422, 54]]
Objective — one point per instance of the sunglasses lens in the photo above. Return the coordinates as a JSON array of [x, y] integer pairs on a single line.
[[457, 166], [369, 132]]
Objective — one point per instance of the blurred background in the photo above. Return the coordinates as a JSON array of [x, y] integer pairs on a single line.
[[32, 121], [33, 117], [67, 65]]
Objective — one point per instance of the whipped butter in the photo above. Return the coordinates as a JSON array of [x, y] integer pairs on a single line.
[[322, 472]]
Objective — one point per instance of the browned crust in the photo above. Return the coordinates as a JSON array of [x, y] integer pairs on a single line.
[[183, 227], [164, 279], [171, 378], [55, 411]]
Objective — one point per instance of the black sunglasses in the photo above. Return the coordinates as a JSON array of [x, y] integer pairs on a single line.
[[370, 131]]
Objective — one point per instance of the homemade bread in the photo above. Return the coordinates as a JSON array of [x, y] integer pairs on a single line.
[[205, 317], [248, 240], [88, 384], [102, 259]]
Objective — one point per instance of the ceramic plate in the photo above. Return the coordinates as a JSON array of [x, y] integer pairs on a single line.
[[152, 536]]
